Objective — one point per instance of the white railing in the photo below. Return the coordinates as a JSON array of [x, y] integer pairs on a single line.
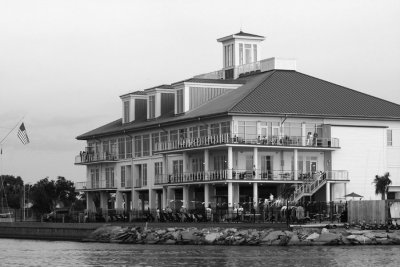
[[87, 157], [100, 184], [219, 74]]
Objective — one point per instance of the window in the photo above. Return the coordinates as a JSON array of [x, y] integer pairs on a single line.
[[146, 145], [158, 171], [197, 165], [143, 174], [138, 146], [226, 127], [122, 176], [193, 132], [203, 131], [152, 106], [240, 54], [247, 52], [121, 148], [126, 111], [182, 133], [247, 130], [292, 129], [389, 137], [266, 166], [214, 129], [129, 147], [255, 52], [177, 166], [220, 162], [155, 139], [173, 136], [179, 101], [228, 55], [109, 177], [94, 178]]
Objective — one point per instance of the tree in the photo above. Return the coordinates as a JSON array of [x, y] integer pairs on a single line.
[[382, 184], [47, 194], [11, 191], [287, 190]]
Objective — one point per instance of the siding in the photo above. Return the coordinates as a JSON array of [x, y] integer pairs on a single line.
[[200, 95]]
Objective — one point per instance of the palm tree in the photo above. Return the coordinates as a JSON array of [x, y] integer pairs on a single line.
[[382, 184]]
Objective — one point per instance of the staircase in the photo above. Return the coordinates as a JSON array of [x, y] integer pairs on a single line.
[[308, 188]]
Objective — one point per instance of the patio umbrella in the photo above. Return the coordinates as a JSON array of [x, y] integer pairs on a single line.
[[353, 195]]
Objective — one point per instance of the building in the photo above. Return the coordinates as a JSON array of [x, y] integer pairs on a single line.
[[236, 136]]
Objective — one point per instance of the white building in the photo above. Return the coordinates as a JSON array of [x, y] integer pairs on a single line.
[[239, 134]]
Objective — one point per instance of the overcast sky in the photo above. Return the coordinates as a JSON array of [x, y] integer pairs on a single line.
[[64, 64]]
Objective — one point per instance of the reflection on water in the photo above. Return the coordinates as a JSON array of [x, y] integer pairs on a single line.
[[55, 253]]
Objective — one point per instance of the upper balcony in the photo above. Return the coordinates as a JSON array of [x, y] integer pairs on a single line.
[[108, 184], [92, 157], [271, 141], [249, 175]]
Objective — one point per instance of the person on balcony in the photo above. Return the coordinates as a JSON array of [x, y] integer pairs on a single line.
[[315, 137], [309, 136]]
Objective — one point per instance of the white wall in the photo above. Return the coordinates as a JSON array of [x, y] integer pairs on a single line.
[[363, 154]]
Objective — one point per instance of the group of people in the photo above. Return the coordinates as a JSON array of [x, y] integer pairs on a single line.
[[312, 139]]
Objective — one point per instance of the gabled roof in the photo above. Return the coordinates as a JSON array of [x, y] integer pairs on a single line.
[[239, 35], [275, 93], [220, 81]]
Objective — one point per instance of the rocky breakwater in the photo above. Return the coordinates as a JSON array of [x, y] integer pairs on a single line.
[[235, 236]]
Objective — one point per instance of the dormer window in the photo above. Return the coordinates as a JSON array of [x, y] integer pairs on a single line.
[[228, 51], [126, 111], [152, 106], [179, 101]]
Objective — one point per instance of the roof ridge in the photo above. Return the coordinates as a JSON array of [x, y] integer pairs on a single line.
[[347, 88], [250, 91]]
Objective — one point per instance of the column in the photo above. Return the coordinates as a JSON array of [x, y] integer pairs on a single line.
[[118, 200], [328, 192], [152, 199], [165, 168], [103, 200], [135, 200], [170, 196], [206, 164], [230, 196], [255, 163], [184, 167], [255, 195], [206, 195], [185, 199], [164, 197], [236, 194], [89, 202], [295, 170], [303, 134], [230, 163]]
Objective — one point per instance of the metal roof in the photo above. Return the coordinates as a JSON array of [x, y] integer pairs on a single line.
[[276, 92]]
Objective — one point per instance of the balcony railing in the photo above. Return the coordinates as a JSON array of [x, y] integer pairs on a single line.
[[100, 184], [87, 157], [302, 141], [238, 174]]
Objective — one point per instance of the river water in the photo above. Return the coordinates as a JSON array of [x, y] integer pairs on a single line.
[[15, 252]]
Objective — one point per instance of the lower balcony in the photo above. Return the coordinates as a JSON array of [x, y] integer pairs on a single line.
[[253, 175], [89, 157], [99, 184]]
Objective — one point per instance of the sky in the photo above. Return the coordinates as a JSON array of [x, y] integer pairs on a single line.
[[64, 64]]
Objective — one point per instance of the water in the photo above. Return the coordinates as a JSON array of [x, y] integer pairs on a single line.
[[59, 253]]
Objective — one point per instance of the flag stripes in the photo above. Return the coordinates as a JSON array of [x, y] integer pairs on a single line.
[[22, 134]]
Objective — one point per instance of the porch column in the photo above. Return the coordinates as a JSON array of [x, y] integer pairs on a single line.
[[118, 200], [255, 195], [164, 197], [185, 199], [135, 200], [89, 202], [255, 163], [206, 164], [230, 196], [328, 192], [303, 134], [170, 196], [206, 195], [295, 167], [103, 200], [230, 163], [152, 199]]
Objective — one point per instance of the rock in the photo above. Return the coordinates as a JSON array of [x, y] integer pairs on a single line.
[[328, 238], [211, 237], [394, 238], [272, 236], [289, 234], [312, 237], [358, 232], [188, 236], [370, 236], [324, 230], [380, 235], [351, 237], [294, 240], [160, 232], [170, 242], [284, 240], [151, 238], [363, 240], [170, 229]]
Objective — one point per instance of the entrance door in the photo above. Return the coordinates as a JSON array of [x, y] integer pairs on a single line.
[[313, 166]]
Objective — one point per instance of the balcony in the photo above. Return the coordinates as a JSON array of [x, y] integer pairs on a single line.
[[249, 175], [91, 157], [212, 140], [100, 184]]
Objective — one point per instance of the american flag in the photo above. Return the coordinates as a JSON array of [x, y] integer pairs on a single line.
[[22, 135]]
